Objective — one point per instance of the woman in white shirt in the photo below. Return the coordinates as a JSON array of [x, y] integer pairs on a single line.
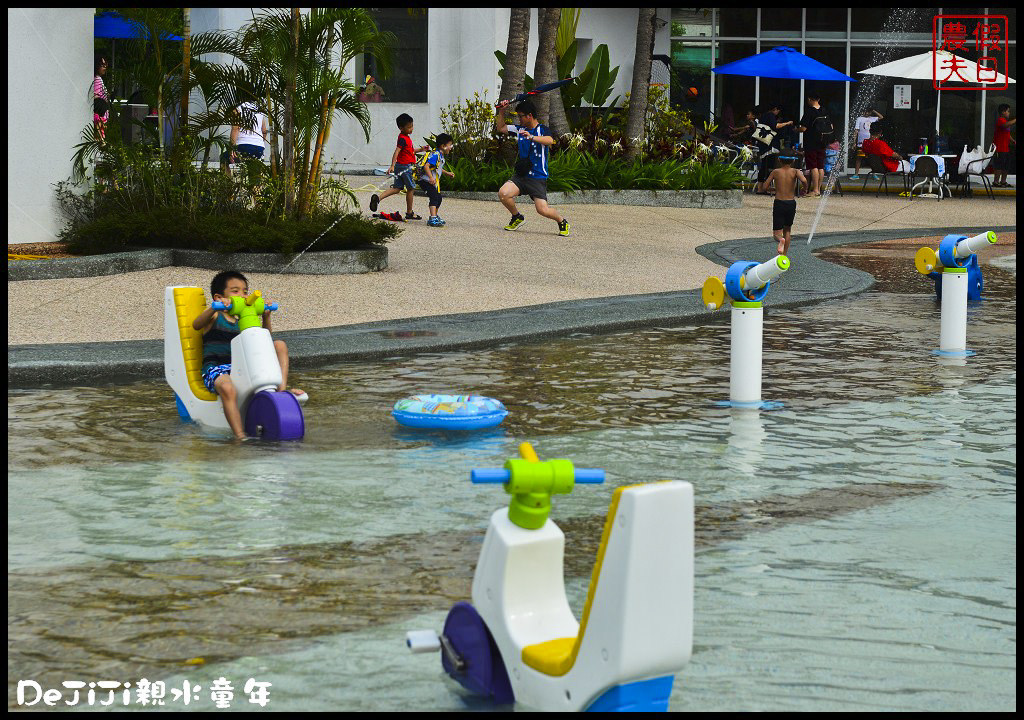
[[863, 127], [250, 141]]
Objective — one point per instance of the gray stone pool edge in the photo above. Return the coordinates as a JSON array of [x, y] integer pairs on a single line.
[[809, 281]]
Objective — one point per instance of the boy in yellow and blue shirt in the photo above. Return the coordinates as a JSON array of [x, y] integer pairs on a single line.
[[430, 176]]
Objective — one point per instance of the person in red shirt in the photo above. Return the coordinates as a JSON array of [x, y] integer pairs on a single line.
[[1002, 140], [875, 145], [403, 161]]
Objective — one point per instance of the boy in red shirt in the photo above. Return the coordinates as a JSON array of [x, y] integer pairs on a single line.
[[402, 164], [1002, 140]]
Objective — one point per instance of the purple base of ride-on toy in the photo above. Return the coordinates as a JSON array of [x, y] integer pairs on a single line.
[[275, 416], [484, 672]]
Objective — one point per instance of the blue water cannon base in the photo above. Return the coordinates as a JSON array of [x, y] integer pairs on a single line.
[[953, 353], [732, 283], [975, 281], [761, 405]]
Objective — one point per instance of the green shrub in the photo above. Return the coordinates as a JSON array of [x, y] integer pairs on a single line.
[[573, 170], [243, 232]]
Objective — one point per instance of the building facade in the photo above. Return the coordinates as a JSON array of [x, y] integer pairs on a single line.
[[49, 102], [448, 53], [848, 40]]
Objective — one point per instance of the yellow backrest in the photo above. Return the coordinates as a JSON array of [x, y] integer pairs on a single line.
[[556, 657], [188, 304]]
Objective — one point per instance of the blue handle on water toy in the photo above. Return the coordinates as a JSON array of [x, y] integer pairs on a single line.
[[218, 305], [501, 475]]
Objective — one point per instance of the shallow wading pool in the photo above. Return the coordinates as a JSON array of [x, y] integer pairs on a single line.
[[855, 549]]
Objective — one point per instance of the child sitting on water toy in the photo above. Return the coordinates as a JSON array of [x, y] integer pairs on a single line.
[[219, 329]]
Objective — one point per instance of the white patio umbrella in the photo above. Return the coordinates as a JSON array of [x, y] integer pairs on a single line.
[[934, 64]]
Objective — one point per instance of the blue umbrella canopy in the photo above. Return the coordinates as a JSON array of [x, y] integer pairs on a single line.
[[114, 25], [782, 62]]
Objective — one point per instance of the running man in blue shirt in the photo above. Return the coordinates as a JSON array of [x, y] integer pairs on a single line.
[[531, 171]]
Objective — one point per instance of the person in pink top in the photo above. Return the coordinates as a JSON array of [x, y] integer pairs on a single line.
[[1002, 140], [100, 97]]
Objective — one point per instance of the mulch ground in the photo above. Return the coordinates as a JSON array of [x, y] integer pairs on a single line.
[[50, 249]]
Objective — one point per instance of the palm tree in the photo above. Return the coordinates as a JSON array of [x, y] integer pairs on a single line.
[[549, 105], [186, 56], [515, 54], [641, 82], [291, 67]]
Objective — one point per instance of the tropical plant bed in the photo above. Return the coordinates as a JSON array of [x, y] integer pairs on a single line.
[[708, 199]]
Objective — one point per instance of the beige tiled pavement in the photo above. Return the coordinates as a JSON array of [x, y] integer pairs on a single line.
[[472, 264]]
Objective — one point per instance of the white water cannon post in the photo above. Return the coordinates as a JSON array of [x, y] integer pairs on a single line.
[[951, 260], [746, 284]]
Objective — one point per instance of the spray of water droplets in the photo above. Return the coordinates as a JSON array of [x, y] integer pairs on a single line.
[[892, 38]]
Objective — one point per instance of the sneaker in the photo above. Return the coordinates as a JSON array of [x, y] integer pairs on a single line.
[[515, 222], [374, 202], [435, 221], [855, 177], [563, 227]]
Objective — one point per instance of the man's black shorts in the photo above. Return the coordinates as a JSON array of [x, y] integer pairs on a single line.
[[535, 188], [783, 212], [1001, 161]]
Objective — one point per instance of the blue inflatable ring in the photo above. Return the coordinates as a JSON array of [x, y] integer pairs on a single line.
[[449, 412]]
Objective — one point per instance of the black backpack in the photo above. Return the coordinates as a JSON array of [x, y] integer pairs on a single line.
[[823, 126]]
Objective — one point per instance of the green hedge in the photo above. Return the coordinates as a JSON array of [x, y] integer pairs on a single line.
[[570, 171], [167, 228]]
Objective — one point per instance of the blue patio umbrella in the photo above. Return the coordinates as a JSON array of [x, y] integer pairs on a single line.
[[782, 62], [115, 26]]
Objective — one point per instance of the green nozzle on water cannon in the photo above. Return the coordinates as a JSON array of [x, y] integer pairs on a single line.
[[531, 483], [248, 310]]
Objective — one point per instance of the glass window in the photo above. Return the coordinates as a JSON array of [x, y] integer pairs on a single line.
[[691, 85], [734, 94], [737, 22], [691, 22], [912, 23], [832, 94], [781, 22], [993, 99], [903, 127], [787, 94], [826, 22], [408, 80]]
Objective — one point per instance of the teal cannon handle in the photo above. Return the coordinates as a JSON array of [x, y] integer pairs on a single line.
[[501, 475]]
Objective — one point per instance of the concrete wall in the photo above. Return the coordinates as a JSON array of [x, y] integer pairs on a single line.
[[460, 61], [49, 91]]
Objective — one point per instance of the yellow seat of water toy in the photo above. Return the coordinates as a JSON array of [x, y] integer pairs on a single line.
[[188, 304], [556, 657]]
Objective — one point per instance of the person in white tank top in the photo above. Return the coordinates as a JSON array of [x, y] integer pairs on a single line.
[[250, 141]]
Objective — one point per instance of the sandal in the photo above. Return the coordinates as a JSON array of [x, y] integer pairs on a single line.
[[412, 216]]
